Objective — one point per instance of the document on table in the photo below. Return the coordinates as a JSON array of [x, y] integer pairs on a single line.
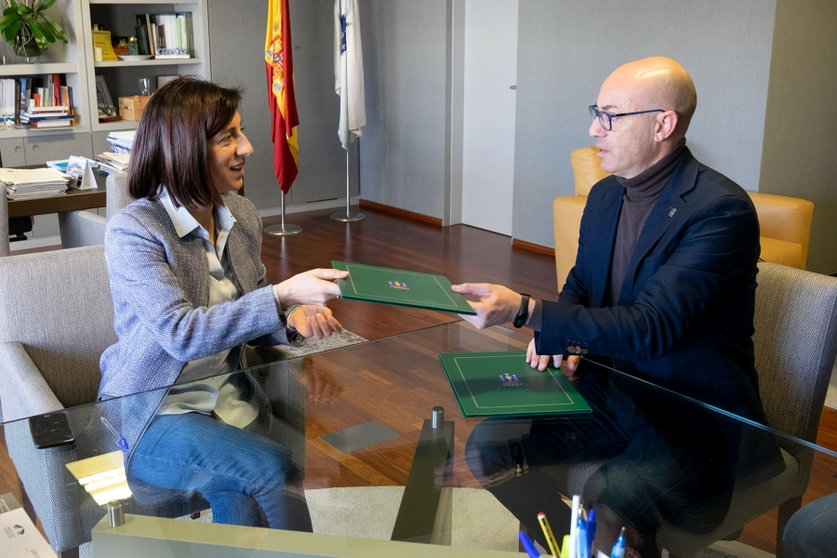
[[32, 176], [19, 538], [489, 384], [400, 287]]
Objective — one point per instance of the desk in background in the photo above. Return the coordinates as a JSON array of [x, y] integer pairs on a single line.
[[73, 200]]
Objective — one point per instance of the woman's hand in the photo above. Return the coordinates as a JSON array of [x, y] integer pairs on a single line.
[[311, 287], [314, 321]]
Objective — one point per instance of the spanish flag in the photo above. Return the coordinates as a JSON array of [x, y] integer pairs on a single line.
[[280, 81]]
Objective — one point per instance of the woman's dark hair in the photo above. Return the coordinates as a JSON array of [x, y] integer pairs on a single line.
[[170, 148]]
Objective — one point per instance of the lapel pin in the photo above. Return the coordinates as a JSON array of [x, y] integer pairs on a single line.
[[672, 212]]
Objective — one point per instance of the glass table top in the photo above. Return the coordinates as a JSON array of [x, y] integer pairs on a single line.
[[385, 454]]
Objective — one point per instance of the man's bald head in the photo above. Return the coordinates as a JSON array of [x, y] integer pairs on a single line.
[[658, 82]]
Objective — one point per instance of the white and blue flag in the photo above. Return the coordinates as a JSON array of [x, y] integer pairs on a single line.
[[348, 71]]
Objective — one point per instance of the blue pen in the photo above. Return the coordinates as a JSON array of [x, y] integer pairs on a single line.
[[529, 546], [120, 439], [583, 548], [619, 546], [591, 528]]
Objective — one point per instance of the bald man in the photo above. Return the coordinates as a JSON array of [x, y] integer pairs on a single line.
[[663, 289], [664, 281]]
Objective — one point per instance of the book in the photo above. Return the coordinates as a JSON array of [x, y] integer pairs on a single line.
[[37, 110], [503, 384], [141, 31], [24, 117], [52, 123], [173, 42], [17, 100], [101, 39], [400, 287], [56, 89]]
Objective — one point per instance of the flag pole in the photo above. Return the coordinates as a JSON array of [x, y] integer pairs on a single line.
[[283, 229], [348, 217]]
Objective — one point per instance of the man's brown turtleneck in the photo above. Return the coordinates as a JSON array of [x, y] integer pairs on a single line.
[[641, 192]]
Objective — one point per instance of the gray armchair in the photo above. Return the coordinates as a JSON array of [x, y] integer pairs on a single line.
[[87, 228], [795, 342], [56, 319]]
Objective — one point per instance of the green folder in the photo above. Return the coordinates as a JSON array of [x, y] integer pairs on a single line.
[[489, 384], [400, 287]]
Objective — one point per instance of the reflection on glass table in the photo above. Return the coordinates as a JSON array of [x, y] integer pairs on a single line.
[[383, 453]]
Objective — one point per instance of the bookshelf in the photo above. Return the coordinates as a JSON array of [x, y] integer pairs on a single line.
[[68, 61], [122, 77]]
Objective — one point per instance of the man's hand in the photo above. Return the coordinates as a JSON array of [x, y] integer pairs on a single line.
[[542, 361], [314, 321], [496, 305]]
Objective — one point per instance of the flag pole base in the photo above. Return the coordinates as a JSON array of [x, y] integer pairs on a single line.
[[348, 217], [283, 230]]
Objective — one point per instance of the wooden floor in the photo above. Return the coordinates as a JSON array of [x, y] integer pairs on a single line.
[[459, 252]]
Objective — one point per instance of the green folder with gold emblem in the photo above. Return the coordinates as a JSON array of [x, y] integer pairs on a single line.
[[491, 384], [400, 287]]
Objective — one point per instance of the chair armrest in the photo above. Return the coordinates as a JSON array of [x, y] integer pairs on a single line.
[[566, 220], [23, 391], [81, 228], [786, 219]]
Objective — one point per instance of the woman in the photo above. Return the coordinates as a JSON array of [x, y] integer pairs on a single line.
[[189, 292]]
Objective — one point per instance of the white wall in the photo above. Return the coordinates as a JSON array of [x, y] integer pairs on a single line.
[[566, 50]]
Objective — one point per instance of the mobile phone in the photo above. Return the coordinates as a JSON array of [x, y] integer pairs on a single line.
[[51, 430]]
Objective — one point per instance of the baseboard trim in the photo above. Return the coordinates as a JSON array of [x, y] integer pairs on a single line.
[[400, 212], [308, 206], [546, 250]]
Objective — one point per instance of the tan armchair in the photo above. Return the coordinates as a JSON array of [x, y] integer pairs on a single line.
[[785, 222]]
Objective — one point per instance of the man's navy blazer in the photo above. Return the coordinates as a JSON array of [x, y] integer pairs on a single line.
[[685, 314]]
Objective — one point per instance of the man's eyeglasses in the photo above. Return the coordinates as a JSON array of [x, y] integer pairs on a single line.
[[607, 123]]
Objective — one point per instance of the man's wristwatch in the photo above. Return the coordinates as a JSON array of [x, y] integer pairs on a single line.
[[523, 313]]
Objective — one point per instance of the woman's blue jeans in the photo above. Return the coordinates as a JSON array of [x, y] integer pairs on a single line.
[[246, 478]]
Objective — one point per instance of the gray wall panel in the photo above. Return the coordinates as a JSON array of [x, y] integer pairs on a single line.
[[402, 150], [800, 134], [236, 39], [565, 51]]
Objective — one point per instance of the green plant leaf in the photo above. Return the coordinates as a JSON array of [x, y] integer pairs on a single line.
[[53, 27], [8, 33], [42, 35], [45, 6], [23, 11], [8, 19]]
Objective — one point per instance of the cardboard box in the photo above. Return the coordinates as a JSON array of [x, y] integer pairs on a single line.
[[130, 108]]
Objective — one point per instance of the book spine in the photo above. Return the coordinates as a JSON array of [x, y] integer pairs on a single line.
[[179, 28], [142, 37], [46, 98], [70, 99], [152, 34], [18, 100], [190, 35], [56, 89]]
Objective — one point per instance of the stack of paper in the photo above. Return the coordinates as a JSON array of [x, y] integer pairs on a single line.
[[121, 142], [33, 183], [113, 162]]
